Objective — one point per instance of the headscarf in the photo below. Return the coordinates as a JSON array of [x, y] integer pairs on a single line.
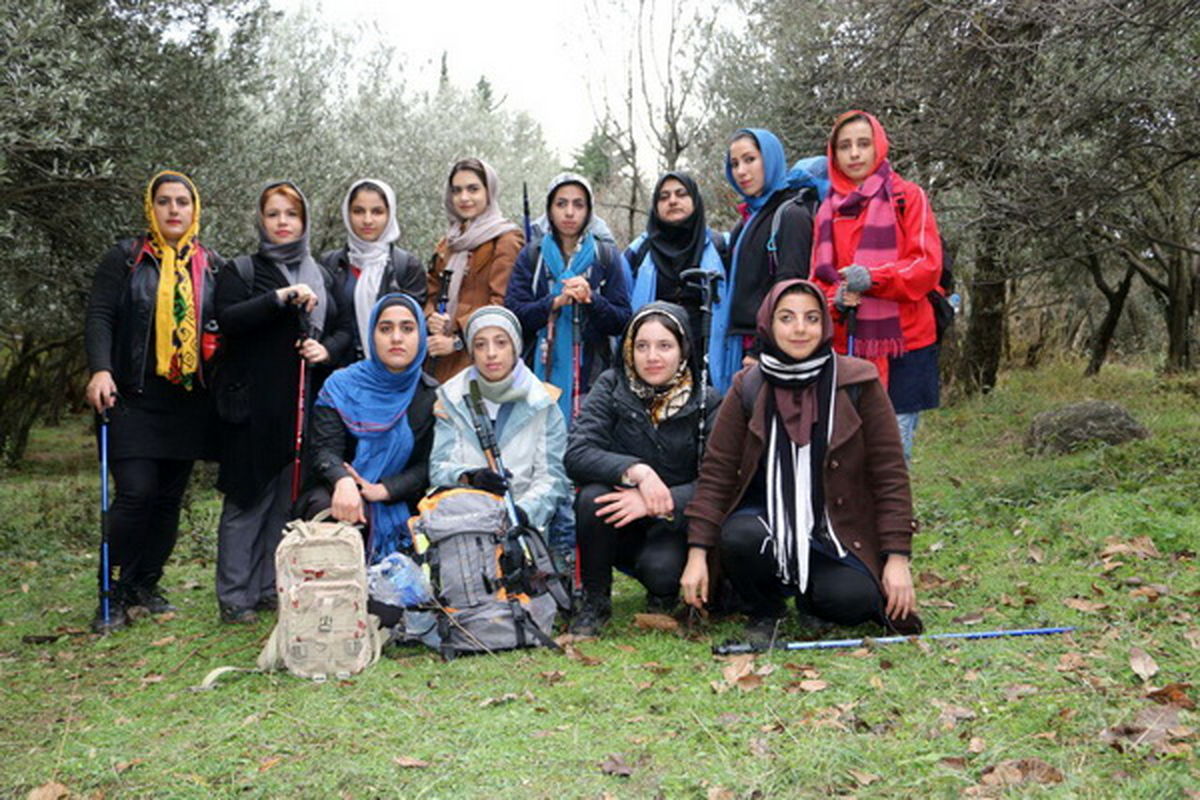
[[799, 423], [775, 171], [515, 385], [181, 274], [864, 212], [676, 246], [293, 259], [371, 258], [373, 403], [464, 236], [554, 360], [662, 402]]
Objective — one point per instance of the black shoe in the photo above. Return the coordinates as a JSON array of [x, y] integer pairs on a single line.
[[592, 615], [118, 618], [909, 626], [661, 603], [151, 598], [268, 602], [237, 615], [762, 632]]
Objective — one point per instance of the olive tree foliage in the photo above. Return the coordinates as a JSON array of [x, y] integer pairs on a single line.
[[95, 95], [329, 111], [1043, 133]]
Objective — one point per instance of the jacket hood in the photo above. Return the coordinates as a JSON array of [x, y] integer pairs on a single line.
[[562, 179]]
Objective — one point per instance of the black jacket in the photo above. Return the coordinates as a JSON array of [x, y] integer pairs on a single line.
[[332, 447], [404, 273], [793, 251], [257, 383], [614, 432]]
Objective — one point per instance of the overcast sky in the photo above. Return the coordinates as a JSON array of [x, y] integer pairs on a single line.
[[522, 47]]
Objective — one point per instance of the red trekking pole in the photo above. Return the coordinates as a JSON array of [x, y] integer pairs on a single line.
[[301, 398]]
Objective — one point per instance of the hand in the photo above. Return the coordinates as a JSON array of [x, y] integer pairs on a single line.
[[438, 323], [857, 278], [844, 298], [655, 493], [439, 345], [693, 584], [621, 507], [312, 351], [347, 503], [578, 288], [373, 492], [101, 391], [898, 587], [561, 300], [749, 361], [487, 480], [298, 294]]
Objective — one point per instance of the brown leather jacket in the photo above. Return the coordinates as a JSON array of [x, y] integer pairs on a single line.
[[866, 481], [488, 269]]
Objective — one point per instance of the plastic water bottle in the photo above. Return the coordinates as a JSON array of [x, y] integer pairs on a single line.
[[955, 302], [398, 581]]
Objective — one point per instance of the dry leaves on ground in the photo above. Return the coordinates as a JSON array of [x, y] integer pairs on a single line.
[[1156, 726], [49, 791], [615, 765], [1173, 694], [1086, 606], [951, 714], [408, 762], [1141, 547], [1020, 770], [742, 672], [656, 622], [1142, 663]]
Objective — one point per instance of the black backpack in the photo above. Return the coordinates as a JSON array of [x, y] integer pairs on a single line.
[[943, 311]]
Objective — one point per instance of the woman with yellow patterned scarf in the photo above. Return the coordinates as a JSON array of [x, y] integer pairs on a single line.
[[147, 343]]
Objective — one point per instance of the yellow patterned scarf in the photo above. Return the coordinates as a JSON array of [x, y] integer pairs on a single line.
[[176, 338]]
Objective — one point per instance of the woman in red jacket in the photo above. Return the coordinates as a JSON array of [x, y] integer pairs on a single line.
[[877, 255], [803, 490]]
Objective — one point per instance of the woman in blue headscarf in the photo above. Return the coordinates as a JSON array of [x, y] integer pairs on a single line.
[[373, 430], [773, 241]]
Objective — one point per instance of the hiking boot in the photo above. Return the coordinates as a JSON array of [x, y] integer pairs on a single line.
[[118, 617], [762, 632], [238, 615], [661, 603], [909, 626], [592, 615], [268, 602], [151, 598]]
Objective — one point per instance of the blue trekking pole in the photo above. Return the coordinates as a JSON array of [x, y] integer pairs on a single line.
[[528, 225], [105, 564], [734, 648], [851, 328]]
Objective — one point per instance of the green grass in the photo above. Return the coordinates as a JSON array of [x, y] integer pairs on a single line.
[[1006, 539]]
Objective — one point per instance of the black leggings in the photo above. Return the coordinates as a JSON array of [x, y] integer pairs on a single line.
[[143, 519], [836, 591], [652, 550]]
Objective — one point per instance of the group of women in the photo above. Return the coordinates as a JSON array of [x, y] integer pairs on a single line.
[[714, 436]]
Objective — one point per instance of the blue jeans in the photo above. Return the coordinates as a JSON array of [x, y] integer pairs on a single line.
[[908, 429]]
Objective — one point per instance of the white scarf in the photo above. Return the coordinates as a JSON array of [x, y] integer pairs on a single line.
[[371, 258]]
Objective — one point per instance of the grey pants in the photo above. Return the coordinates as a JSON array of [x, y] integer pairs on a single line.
[[246, 542]]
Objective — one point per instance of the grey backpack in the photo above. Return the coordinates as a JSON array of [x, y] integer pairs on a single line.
[[324, 630], [497, 587]]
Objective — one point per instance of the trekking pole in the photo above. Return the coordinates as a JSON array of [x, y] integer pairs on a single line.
[[851, 328], [576, 361], [705, 280], [105, 564], [528, 224], [301, 397], [491, 450], [734, 648]]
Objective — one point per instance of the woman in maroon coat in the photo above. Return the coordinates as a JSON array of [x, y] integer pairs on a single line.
[[803, 490]]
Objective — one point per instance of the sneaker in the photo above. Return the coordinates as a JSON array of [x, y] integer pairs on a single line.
[[152, 599], [661, 603], [237, 615], [762, 632], [592, 615], [118, 617]]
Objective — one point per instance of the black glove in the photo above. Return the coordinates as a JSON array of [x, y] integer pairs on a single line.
[[486, 480]]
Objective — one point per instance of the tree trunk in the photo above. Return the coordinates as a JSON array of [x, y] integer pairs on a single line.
[[1180, 285], [985, 329], [1102, 339]]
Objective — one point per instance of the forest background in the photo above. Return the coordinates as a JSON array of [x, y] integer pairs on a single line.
[[1056, 140]]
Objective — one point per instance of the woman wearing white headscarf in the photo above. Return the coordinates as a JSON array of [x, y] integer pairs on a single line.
[[371, 265], [471, 265]]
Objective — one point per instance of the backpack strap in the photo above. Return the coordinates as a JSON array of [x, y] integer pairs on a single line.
[[802, 198], [399, 258], [245, 269], [720, 242], [752, 383]]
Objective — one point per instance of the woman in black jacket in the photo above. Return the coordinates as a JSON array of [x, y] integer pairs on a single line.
[[151, 301], [634, 453], [372, 430], [275, 308], [371, 265]]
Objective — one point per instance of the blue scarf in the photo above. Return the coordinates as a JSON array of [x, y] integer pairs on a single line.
[[724, 351], [373, 404], [561, 373]]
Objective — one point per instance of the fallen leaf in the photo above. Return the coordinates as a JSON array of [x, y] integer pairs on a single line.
[[974, 618], [875, 681], [1173, 694], [720, 687], [49, 791], [575, 654], [748, 683], [615, 765], [625, 648], [1068, 662], [976, 745], [1150, 726], [1086, 606], [124, 766], [813, 686], [951, 715], [498, 701], [408, 762], [863, 778], [719, 793], [656, 622], [1020, 770], [938, 602], [163, 642], [1193, 638], [953, 762], [1036, 555], [266, 763], [553, 676], [1019, 690], [1151, 593], [930, 580], [738, 666], [1142, 547], [152, 678], [657, 668], [1142, 663]]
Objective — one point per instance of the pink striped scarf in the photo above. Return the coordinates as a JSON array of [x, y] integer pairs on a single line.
[[878, 333]]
